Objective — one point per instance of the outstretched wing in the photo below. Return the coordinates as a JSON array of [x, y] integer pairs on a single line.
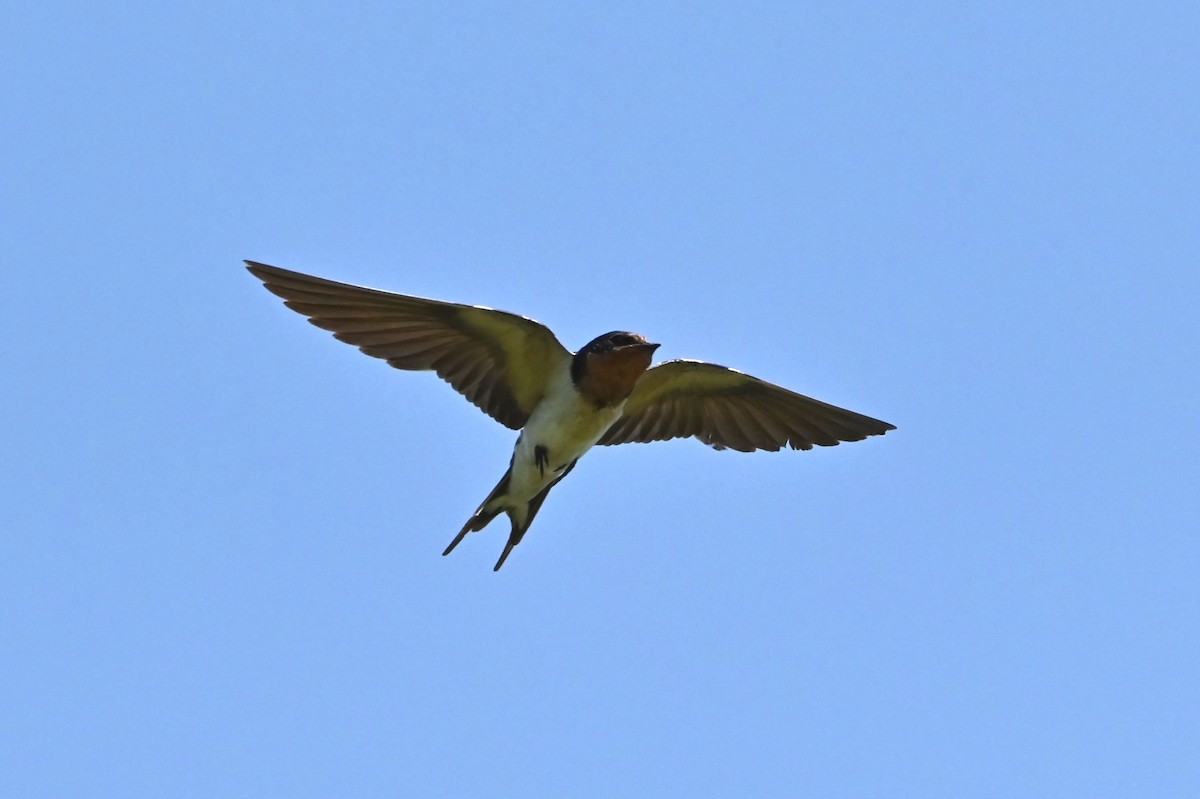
[[499, 361], [725, 408]]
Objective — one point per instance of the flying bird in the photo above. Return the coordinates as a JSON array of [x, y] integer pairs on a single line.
[[563, 403]]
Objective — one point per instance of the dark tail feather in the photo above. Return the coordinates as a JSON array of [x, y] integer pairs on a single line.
[[518, 533], [481, 517], [514, 538]]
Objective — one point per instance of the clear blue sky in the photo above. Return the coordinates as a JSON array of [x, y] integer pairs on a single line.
[[220, 568]]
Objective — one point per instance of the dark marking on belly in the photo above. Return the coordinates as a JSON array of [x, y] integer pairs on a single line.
[[541, 458]]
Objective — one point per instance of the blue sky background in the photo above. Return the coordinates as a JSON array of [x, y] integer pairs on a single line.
[[220, 569]]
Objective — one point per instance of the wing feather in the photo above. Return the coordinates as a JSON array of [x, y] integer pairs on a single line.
[[499, 361], [772, 429], [727, 429], [664, 421], [725, 408]]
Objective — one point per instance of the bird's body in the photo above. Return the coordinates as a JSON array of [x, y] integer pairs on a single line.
[[564, 403], [563, 426]]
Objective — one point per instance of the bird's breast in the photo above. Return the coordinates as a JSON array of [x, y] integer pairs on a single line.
[[561, 428]]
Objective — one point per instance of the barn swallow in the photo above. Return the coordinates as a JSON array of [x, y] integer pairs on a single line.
[[515, 370]]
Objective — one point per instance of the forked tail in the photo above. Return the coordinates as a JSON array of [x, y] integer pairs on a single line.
[[520, 521], [482, 516]]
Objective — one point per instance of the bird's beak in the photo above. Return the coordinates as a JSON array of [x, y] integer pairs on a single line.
[[649, 346]]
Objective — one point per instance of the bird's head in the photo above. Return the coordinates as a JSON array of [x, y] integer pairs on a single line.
[[608, 366]]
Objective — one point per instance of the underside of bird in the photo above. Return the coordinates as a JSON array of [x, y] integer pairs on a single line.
[[517, 371]]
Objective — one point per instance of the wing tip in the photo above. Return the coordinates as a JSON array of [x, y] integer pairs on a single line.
[[263, 272]]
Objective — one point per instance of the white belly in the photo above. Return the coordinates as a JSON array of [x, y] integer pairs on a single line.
[[567, 426]]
